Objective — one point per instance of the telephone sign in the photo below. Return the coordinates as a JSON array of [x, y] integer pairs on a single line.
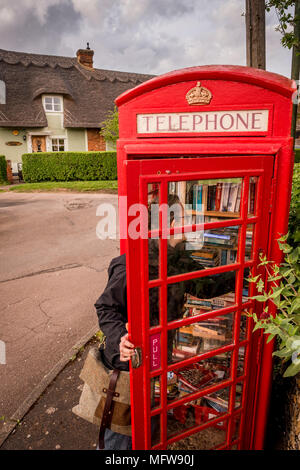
[[205, 159]]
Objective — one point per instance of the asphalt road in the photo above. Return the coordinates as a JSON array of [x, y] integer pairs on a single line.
[[52, 269]]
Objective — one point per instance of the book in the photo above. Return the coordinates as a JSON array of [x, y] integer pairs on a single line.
[[199, 198], [204, 196], [224, 197], [252, 194], [218, 196], [238, 199], [232, 197]]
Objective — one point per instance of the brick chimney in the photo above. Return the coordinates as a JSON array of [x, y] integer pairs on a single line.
[[85, 57]]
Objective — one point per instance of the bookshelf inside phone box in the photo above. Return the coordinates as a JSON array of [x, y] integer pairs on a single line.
[[215, 141]]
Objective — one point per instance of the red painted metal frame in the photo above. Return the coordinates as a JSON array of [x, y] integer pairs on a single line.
[[139, 174], [233, 87]]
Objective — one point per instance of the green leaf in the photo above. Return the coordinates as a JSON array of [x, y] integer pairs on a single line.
[[285, 352], [274, 278], [257, 326], [252, 279], [283, 238], [295, 305], [260, 285], [276, 292], [269, 339], [292, 370], [294, 256], [259, 298]]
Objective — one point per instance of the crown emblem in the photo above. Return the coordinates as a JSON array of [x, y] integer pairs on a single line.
[[198, 95]]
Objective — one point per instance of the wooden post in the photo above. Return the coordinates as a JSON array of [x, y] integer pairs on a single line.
[[256, 33], [296, 63]]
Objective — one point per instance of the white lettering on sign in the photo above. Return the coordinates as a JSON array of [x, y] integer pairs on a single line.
[[254, 120]]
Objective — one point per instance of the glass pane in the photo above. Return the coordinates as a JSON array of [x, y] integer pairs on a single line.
[[154, 306], [236, 427], [200, 375], [48, 107], [207, 439], [249, 242], [216, 198], [153, 259], [57, 107], [241, 361], [188, 341], [153, 224], [56, 100], [201, 295], [253, 184], [243, 325], [155, 430], [48, 99], [246, 284], [153, 196], [199, 412], [199, 250], [61, 148], [155, 394]]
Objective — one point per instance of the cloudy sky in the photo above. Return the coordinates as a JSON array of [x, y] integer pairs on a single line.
[[146, 36]]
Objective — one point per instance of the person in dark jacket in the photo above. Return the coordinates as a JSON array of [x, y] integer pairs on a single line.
[[111, 306]]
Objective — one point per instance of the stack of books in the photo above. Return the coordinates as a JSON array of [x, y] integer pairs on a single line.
[[208, 257], [221, 237], [195, 305]]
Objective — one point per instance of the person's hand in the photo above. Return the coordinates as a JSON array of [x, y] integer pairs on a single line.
[[126, 349]]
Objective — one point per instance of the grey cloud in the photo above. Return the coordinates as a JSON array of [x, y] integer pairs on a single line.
[[31, 33]]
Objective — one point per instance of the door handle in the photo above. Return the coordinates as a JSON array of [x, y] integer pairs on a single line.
[[136, 360]]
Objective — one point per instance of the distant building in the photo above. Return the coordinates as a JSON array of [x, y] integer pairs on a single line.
[[50, 103]]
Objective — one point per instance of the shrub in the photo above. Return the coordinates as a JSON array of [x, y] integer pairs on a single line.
[[69, 166], [3, 173], [283, 290], [297, 155]]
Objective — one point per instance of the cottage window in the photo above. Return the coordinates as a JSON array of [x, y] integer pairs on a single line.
[[58, 145], [2, 92], [53, 104]]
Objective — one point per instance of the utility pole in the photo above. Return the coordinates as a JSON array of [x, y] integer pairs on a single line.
[[296, 63], [256, 33]]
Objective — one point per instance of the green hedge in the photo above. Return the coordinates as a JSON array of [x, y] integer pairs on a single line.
[[69, 166], [3, 172]]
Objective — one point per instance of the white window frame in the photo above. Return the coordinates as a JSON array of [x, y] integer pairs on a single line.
[[59, 137], [48, 100], [2, 92]]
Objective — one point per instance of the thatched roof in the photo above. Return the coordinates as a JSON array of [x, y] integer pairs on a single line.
[[88, 93]]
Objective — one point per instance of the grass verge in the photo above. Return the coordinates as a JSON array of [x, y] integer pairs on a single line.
[[81, 186]]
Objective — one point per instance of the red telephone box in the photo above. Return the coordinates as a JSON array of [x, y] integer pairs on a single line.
[[216, 140]]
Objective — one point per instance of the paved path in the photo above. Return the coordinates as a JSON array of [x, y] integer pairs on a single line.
[[52, 269]]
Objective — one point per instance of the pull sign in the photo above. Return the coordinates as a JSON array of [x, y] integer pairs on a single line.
[[155, 351]]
